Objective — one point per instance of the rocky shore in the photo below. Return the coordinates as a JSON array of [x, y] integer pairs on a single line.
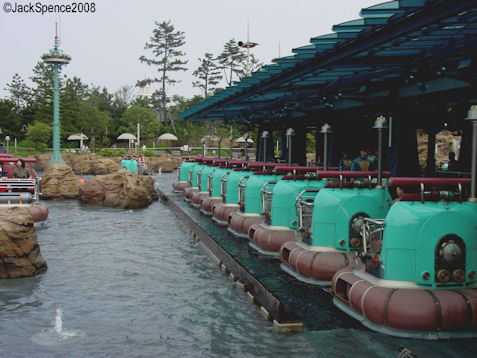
[[97, 165]]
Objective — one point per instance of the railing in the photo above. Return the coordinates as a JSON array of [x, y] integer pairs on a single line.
[[209, 182], [223, 185], [199, 179], [304, 207], [372, 231], [266, 197], [15, 187], [241, 189]]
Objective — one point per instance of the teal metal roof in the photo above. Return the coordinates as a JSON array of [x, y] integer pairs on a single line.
[[407, 47]]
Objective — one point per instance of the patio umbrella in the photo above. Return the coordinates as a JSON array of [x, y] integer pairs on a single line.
[[167, 136], [80, 137], [129, 137]]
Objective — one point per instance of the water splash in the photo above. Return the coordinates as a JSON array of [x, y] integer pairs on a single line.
[[57, 335], [59, 322]]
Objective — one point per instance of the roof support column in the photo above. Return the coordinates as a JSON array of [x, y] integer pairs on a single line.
[[299, 145], [402, 157]]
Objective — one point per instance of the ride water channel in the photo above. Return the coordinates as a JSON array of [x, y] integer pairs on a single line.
[[134, 283]]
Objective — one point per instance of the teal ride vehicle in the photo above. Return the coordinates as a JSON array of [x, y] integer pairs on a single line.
[[419, 278], [230, 189], [331, 236], [182, 182], [282, 222], [251, 198]]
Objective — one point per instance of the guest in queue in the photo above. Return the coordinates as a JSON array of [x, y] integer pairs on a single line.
[[362, 163]]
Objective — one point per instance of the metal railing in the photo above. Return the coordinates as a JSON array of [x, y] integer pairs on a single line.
[[241, 189], [223, 185], [372, 232], [199, 179], [209, 181], [304, 207], [266, 196], [17, 186]]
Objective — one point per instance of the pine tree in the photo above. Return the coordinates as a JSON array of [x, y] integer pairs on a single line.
[[166, 55], [209, 74], [231, 59], [42, 98], [20, 93]]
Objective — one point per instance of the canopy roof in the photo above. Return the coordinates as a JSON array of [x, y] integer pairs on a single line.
[[397, 49]]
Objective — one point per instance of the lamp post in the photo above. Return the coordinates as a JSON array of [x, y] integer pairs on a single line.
[[380, 124], [472, 116], [246, 136], [290, 133], [56, 58], [7, 139], [264, 137], [325, 130], [248, 45], [203, 148]]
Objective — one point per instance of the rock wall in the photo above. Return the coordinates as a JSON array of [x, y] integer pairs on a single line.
[[19, 251], [122, 189]]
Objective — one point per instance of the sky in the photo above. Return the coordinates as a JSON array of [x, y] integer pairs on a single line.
[[105, 45]]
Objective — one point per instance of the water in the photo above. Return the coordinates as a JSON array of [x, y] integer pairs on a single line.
[[133, 283]]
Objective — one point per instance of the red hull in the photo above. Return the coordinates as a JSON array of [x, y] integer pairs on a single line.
[[315, 265], [207, 203], [39, 212], [406, 309], [188, 192], [196, 196], [269, 239], [222, 211], [180, 185], [241, 223]]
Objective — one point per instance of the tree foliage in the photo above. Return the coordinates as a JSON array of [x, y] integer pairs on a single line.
[[208, 73], [231, 60], [165, 45]]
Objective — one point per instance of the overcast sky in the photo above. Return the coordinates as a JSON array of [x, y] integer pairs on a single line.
[[105, 45]]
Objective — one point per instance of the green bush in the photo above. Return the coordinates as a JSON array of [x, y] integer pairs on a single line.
[[149, 153], [109, 153]]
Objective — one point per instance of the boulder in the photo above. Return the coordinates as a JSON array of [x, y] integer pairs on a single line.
[[122, 189], [19, 251], [42, 162], [168, 163], [58, 182], [105, 166]]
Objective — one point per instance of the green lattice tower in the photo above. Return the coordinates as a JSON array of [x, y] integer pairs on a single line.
[[56, 58]]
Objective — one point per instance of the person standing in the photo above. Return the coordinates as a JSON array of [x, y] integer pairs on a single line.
[[345, 162], [362, 163]]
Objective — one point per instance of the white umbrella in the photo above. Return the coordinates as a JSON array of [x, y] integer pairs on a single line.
[[129, 137], [167, 136], [242, 140], [78, 136]]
